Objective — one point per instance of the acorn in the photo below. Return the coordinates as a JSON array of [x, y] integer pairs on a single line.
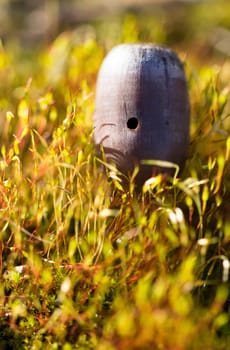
[[142, 109]]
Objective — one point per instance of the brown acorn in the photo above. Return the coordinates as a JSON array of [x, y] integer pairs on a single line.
[[142, 109]]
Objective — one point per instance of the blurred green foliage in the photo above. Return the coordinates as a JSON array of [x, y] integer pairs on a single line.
[[86, 264]]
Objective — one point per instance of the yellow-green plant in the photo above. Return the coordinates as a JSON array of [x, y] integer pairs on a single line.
[[86, 263]]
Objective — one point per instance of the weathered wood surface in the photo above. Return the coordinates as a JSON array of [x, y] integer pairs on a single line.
[[142, 108]]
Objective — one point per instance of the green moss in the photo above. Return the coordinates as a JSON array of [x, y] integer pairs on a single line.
[[87, 264]]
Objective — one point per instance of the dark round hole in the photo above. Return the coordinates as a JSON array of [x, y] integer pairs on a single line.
[[132, 123]]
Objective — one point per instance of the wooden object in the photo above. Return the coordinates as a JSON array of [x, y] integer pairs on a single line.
[[142, 108]]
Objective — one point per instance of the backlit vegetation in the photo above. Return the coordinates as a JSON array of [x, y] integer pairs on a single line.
[[85, 263]]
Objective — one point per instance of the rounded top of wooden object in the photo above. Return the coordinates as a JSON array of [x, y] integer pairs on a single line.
[[142, 108]]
